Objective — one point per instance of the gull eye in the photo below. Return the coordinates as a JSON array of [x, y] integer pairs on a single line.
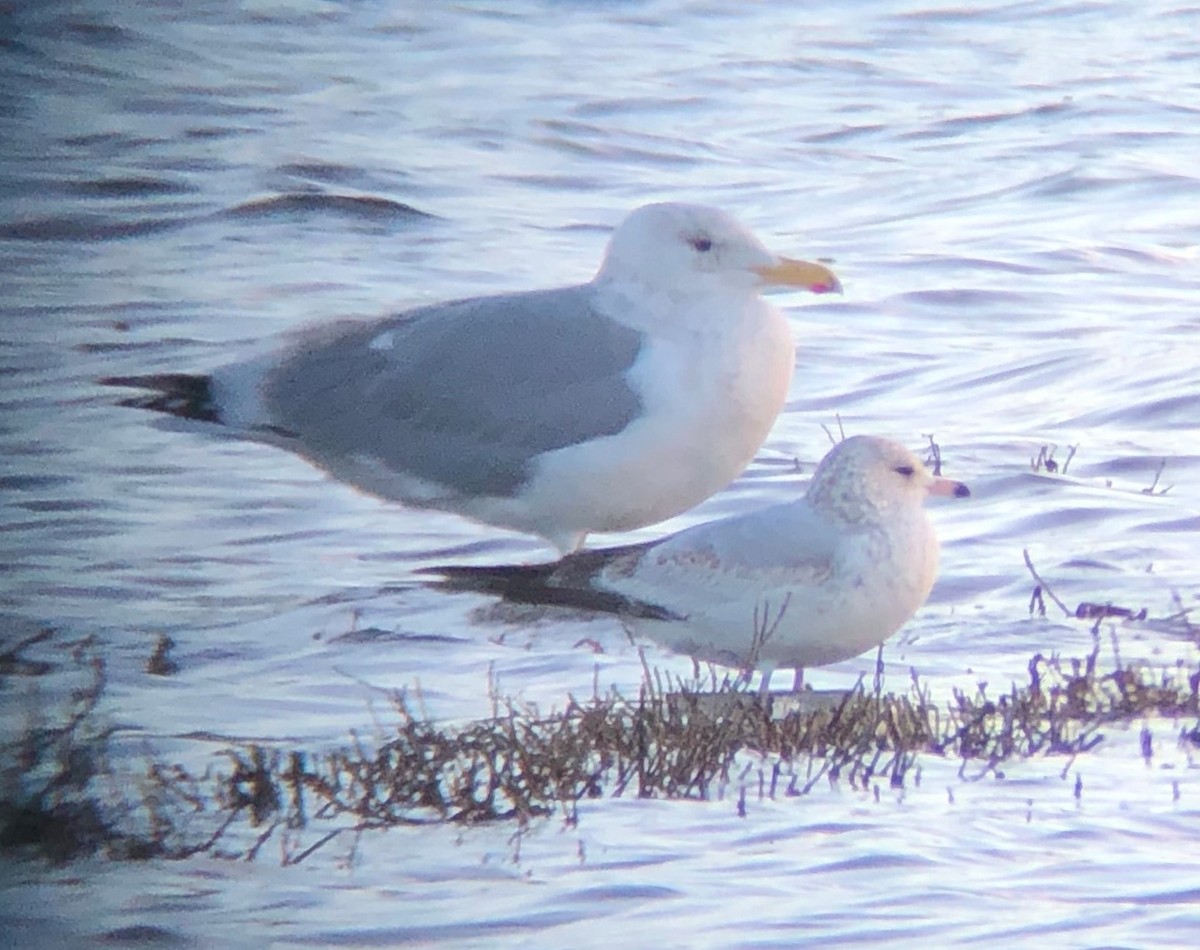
[[906, 470], [701, 243]]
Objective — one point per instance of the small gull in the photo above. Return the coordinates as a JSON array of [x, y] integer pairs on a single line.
[[804, 583], [605, 406]]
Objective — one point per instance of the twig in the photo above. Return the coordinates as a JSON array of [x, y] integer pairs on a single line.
[[841, 430], [1045, 587], [1045, 459], [321, 842], [935, 455], [1157, 475]]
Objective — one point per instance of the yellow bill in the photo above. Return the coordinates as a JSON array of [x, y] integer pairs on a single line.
[[786, 272]]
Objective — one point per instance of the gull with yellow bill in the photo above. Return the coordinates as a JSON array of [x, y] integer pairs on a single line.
[[604, 406]]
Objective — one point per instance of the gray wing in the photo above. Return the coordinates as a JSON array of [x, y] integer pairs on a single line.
[[790, 536], [464, 394], [787, 543]]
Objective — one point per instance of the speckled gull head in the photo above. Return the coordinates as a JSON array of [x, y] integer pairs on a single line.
[[807, 582], [681, 249], [867, 479]]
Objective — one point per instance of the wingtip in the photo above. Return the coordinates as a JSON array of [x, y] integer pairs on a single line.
[[186, 395]]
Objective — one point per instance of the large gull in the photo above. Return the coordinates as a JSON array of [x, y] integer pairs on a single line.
[[599, 407], [804, 583]]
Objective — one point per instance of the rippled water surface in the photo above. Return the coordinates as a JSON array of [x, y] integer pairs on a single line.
[[1009, 192]]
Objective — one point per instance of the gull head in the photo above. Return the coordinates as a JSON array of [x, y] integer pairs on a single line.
[[678, 248], [868, 479]]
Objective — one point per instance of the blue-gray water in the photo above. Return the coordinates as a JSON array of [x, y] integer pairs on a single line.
[[1009, 192]]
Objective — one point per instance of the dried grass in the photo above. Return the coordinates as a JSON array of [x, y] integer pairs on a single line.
[[678, 739]]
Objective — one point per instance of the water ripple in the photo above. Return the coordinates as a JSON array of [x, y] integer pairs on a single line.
[[303, 204], [1008, 189]]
